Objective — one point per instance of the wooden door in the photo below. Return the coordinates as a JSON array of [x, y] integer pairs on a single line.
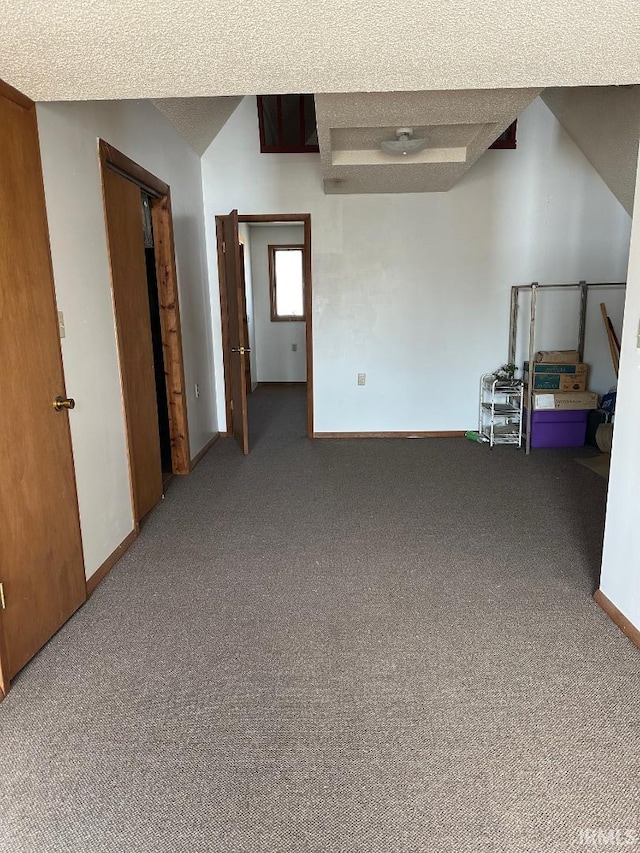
[[41, 564], [238, 344], [123, 214], [245, 320]]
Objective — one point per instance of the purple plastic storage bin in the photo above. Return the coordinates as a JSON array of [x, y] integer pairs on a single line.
[[558, 428]]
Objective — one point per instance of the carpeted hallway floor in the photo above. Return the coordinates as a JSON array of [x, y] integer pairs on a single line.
[[363, 646]]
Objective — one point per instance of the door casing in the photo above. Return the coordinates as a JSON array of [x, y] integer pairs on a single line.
[[160, 196], [305, 219]]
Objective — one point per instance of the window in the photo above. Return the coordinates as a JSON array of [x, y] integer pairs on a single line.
[[286, 282], [287, 124], [508, 138]]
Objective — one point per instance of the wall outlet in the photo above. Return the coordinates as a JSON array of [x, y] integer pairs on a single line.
[[362, 379], [294, 347], [61, 323], [196, 389]]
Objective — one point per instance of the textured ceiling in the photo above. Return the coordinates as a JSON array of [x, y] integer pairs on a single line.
[[199, 120], [73, 50], [459, 127], [605, 124]]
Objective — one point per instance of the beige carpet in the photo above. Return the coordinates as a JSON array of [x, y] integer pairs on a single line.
[[370, 646]]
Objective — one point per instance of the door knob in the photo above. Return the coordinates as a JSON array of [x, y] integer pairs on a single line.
[[241, 350], [61, 403]]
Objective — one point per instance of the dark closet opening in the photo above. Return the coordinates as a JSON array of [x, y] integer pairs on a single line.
[[156, 338]]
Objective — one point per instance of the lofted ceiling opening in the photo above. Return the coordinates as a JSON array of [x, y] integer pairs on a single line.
[[453, 129]]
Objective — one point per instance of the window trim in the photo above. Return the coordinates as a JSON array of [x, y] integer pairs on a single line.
[[510, 141], [280, 318], [283, 149]]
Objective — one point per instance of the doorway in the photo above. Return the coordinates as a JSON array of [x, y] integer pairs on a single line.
[[145, 294], [288, 314]]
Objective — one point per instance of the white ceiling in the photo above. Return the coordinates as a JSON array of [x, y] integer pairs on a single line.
[[459, 127], [74, 50], [605, 124], [199, 120]]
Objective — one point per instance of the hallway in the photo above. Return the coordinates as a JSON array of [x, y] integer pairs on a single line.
[[349, 646]]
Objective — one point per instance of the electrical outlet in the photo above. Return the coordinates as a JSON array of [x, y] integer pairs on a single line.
[[196, 388], [362, 379], [61, 323], [294, 347]]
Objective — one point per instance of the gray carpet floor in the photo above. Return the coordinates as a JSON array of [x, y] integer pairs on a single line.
[[353, 646]]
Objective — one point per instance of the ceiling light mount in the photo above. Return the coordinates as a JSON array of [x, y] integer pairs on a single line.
[[404, 143]]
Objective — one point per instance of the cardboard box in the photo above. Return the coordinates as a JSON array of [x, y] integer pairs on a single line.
[[572, 369], [558, 356], [558, 381], [568, 400]]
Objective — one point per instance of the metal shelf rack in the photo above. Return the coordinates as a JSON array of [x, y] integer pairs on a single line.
[[500, 410], [534, 288]]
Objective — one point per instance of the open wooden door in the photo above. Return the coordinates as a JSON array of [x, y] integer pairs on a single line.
[[123, 214], [238, 344], [41, 564], [245, 320]]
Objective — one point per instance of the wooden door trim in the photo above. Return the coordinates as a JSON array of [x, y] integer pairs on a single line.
[[224, 322], [167, 281], [11, 94], [130, 169], [626, 626], [5, 681], [305, 219], [102, 571]]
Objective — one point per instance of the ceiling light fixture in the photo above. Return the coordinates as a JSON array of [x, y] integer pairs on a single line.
[[404, 143]]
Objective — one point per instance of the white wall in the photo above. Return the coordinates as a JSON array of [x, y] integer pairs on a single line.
[[276, 361], [620, 578], [68, 138], [413, 289], [244, 236]]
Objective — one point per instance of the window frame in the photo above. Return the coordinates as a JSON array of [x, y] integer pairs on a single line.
[[281, 318], [510, 141], [278, 148]]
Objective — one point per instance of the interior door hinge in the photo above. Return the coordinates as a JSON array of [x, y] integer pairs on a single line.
[[2, 602], [224, 248]]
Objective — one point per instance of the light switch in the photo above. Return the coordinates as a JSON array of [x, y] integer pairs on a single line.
[[294, 347], [362, 379]]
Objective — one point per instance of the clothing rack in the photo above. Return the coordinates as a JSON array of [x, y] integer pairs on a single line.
[[534, 287]]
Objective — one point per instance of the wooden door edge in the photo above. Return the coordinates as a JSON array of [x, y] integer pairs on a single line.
[[11, 94], [5, 681], [241, 311], [224, 325], [173, 355], [308, 310]]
